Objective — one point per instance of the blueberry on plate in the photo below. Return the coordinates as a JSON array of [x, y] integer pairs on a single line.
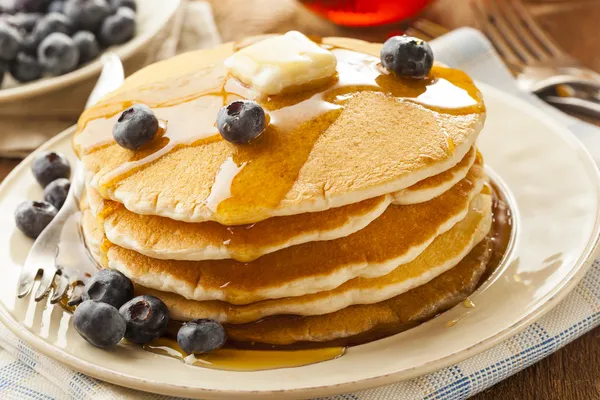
[[25, 68], [88, 46], [110, 287], [10, 42], [50, 166], [57, 6], [147, 318], [56, 192], [51, 23], [100, 324], [201, 336], [58, 54], [241, 121], [118, 28], [135, 127], [123, 3], [407, 56], [32, 217], [87, 14]]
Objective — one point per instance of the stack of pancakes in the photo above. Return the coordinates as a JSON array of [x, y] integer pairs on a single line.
[[362, 210]]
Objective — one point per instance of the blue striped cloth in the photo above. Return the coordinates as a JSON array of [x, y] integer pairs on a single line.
[[27, 374]]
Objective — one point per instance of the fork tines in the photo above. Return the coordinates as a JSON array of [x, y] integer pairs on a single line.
[[514, 33]]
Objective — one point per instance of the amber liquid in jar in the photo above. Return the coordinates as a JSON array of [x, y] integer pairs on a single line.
[[365, 12]]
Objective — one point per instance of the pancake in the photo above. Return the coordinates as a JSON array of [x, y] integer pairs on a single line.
[[398, 236], [366, 322], [411, 131], [354, 324], [164, 238], [434, 186], [445, 252]]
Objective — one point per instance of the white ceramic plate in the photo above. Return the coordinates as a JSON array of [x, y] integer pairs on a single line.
[[556, 188], [152, 16]]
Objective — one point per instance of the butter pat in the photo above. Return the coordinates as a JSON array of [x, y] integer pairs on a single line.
[[273, 65]]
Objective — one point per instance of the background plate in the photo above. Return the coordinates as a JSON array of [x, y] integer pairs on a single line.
[[555, 185]]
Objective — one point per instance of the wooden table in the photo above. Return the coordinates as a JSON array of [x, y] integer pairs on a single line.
[[572, 372]]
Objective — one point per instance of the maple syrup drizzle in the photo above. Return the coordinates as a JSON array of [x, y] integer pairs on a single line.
[[230, 359], [187, 108]]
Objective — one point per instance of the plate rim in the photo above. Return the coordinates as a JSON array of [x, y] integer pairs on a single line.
[[124, 52], [544, 305]]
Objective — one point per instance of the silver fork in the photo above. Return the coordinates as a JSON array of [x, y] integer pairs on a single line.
[[538, 63], [42, 259]]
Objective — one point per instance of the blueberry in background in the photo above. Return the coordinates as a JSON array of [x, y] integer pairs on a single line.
[[50, 166], [135, 127], [201, 336], [87, 14], [30, 6], [32, 217], [25, 68], [241, 121], [3, 68], [24, 22], [407, 56], [100, 324], [123, 3], [147, 318], [109, 286], [51, 23], [118, 28], [10, 42], [56, 192], [58, 54], [88, 46], [57, 6]]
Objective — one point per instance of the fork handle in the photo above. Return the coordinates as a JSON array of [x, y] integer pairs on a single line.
[[575, 104]]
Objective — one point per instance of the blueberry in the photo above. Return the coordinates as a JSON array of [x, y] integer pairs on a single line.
[[10, 42], [58, 54], [241, 121], [118, 28], [32, 217], [57, 6], [87, 45], [135, 127], [24, 22], [3, 68], [29, 46], [147, 318], [50, 166], [100, 324], [51, 23], [56, 192], [109, 286], [123, 3], [25, 68], [201, 336], [407, 56], [30, 6], [87, 14]]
